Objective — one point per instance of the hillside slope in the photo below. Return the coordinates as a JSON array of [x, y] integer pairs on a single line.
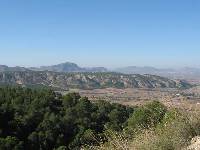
[[89, 80]]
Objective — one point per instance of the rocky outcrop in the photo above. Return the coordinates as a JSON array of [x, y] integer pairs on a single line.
[[195, 144]]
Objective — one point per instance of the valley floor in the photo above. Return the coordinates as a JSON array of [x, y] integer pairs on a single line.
[[186, 99]]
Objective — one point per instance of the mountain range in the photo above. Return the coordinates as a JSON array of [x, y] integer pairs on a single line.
[[63, 67], [4, 68], [187, 73], [181, 73], [69, 67], [88, 80]]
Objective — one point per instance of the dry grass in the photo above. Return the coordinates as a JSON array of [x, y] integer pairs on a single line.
[[171, 134], [116, 141]]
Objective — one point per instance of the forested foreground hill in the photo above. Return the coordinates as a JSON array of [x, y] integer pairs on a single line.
[[89, 80], [44, 120]]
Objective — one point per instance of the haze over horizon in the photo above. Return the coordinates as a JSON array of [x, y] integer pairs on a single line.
[[108, 68], [114, 33]]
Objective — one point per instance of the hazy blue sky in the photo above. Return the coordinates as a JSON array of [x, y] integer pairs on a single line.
[[111, 33]]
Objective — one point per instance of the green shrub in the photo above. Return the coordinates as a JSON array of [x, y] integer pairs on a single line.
[[147, 116], [173, 133], [9, 143]]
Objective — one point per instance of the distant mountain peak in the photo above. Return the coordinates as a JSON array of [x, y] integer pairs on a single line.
[[69, 67]]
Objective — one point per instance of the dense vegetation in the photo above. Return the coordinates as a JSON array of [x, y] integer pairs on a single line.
[[42, 119]]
